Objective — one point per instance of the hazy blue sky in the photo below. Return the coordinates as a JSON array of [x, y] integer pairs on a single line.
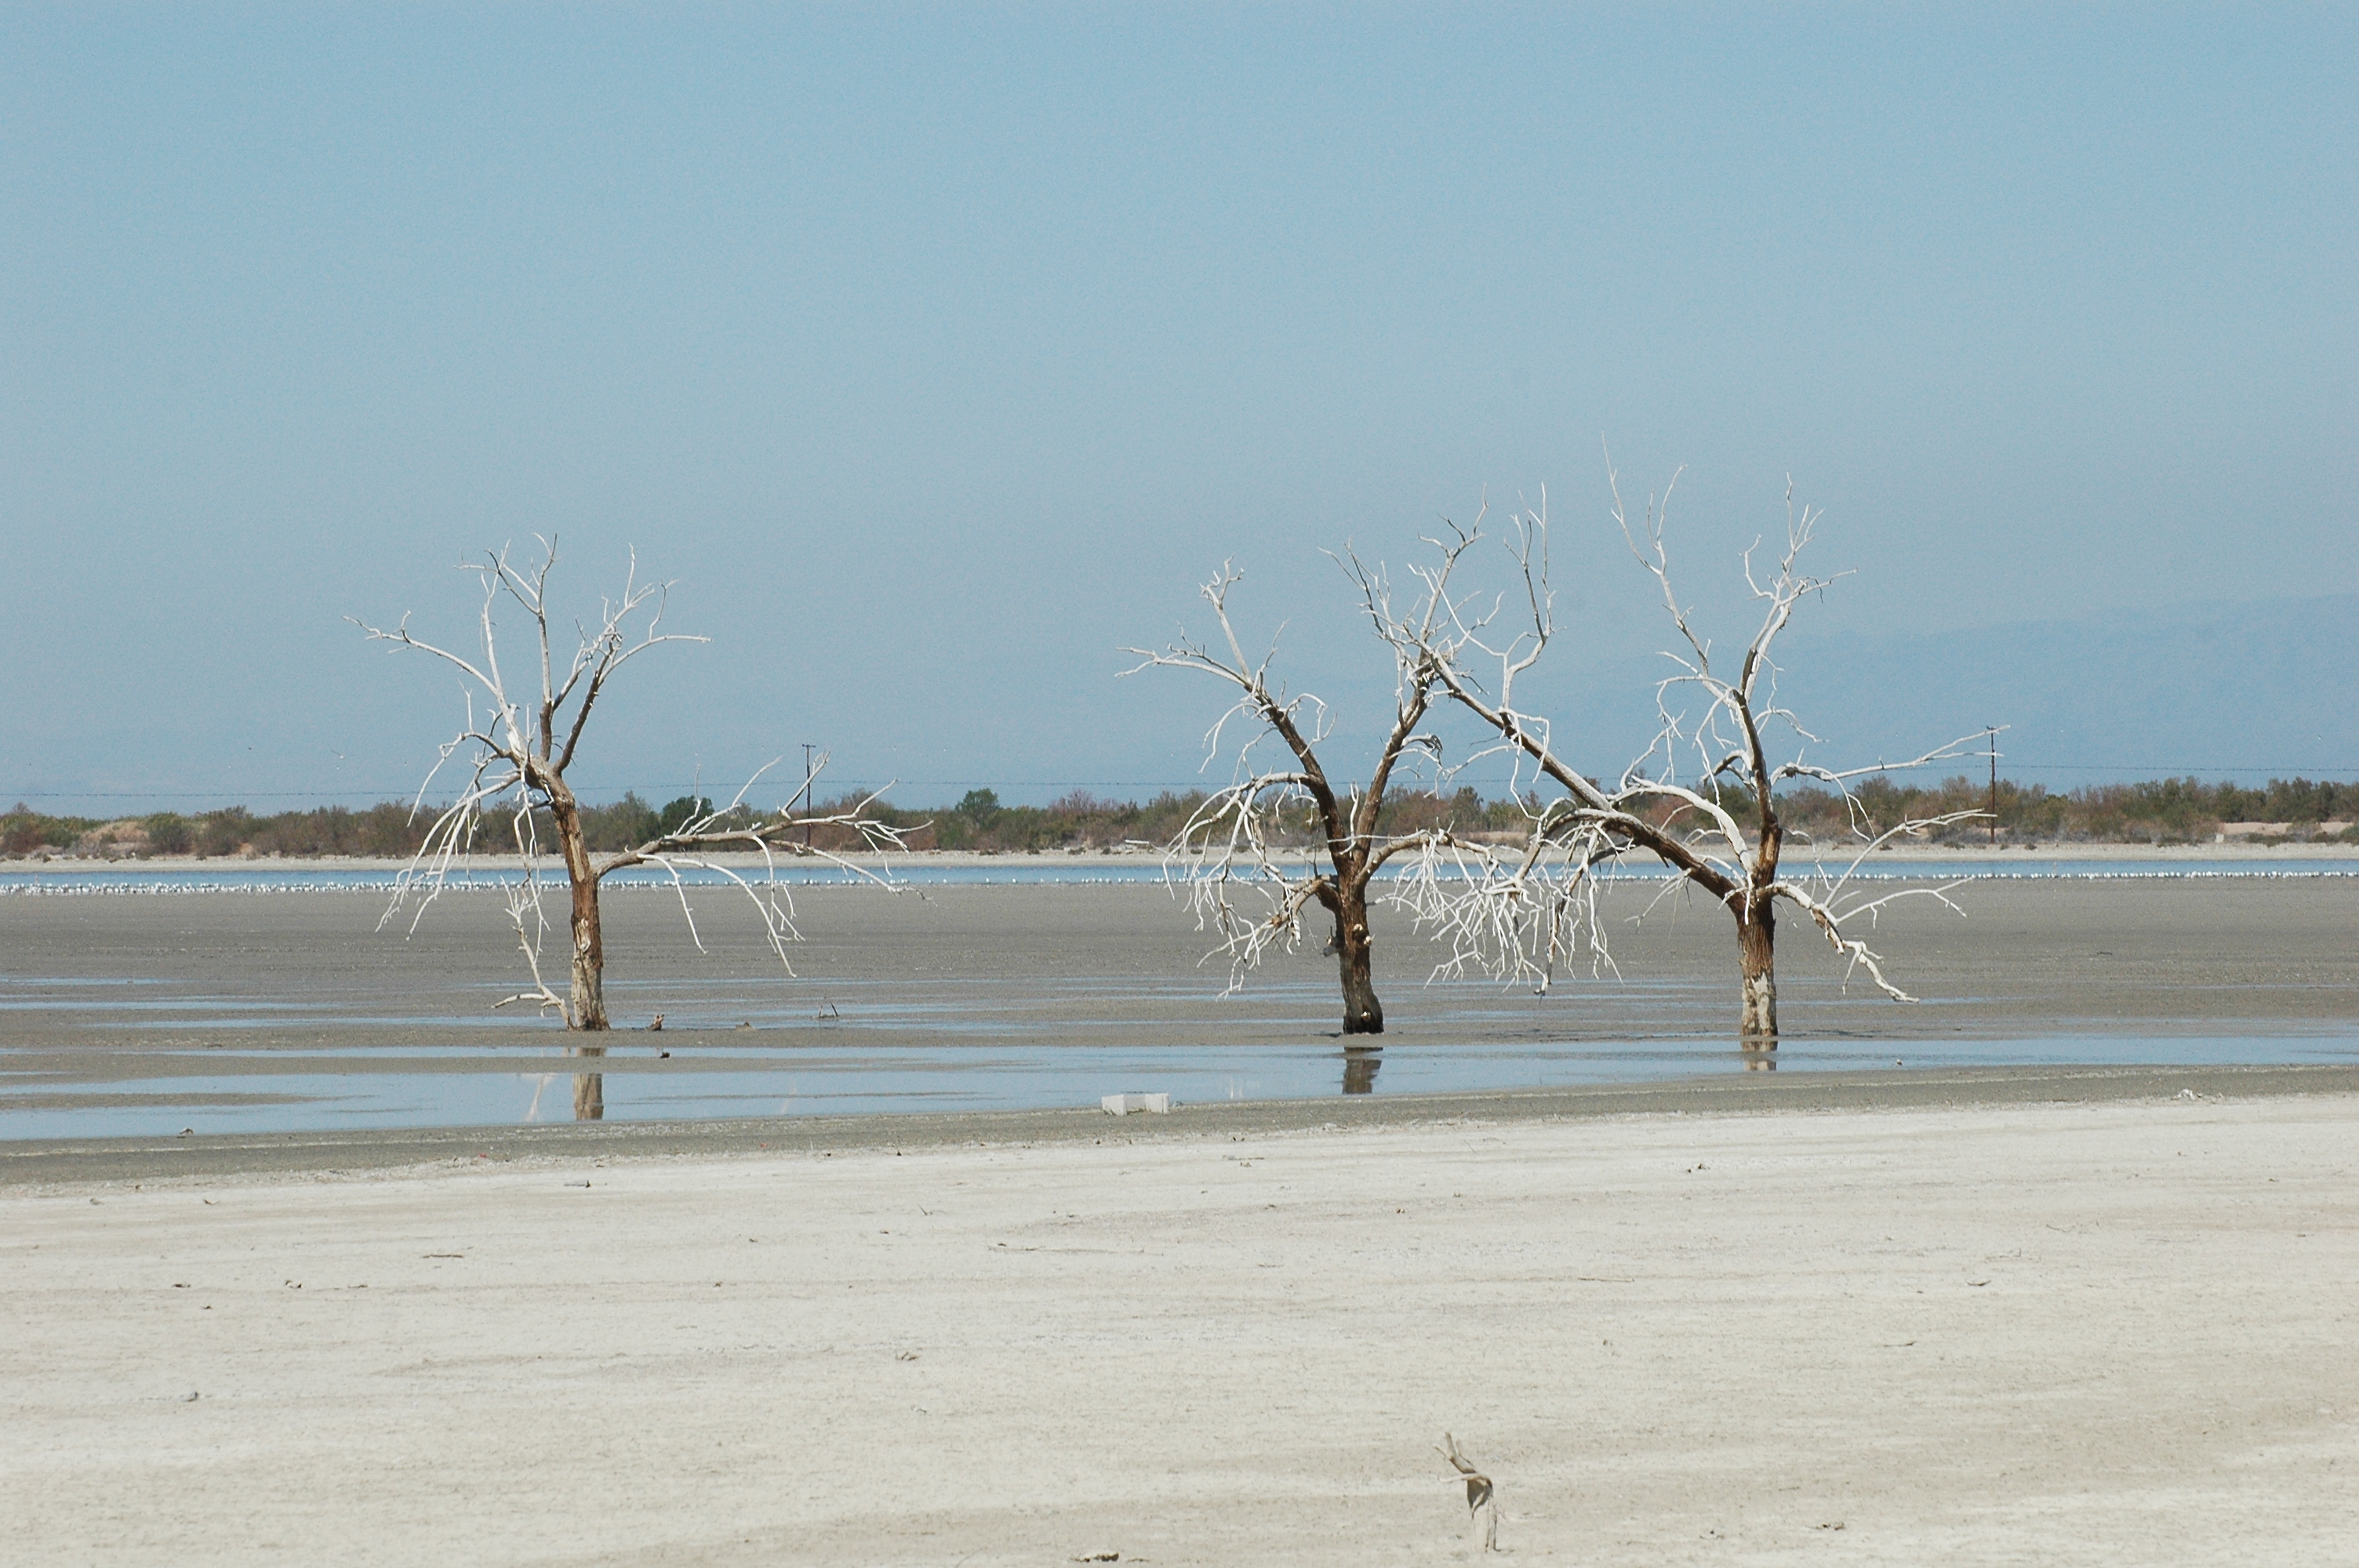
[[937, 352]]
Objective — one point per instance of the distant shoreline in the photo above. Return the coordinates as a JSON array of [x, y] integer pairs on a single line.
[[2242, 851]]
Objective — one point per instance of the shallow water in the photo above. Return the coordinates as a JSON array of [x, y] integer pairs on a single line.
[[147, 1015], [473, 1085], [1061, 1010]]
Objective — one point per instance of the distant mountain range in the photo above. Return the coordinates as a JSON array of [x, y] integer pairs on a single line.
[[2260, 688]]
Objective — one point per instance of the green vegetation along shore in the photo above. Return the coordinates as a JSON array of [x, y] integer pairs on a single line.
[[2170, 811]]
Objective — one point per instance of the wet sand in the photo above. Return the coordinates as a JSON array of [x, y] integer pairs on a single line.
[[2031, 956], [2095, 1334], [106, 991]]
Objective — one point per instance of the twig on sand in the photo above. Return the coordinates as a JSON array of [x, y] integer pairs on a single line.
[[1481, 1504]]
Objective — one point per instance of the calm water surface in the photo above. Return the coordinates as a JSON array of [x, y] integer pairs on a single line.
[[461, 1086]]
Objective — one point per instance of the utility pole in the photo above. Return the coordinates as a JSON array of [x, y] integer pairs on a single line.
[[808, 776], [1992, 731]]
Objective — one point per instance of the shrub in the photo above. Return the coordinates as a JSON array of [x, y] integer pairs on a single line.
[[679, 814]]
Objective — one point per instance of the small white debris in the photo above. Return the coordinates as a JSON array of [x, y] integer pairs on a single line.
[[1128, 1105]]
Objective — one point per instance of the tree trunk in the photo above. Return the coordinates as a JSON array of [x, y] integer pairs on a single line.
[[589, 1010], [1363, 1013], [589, 958], [1756, 929]]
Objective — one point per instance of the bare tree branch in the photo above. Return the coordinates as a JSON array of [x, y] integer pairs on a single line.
[[1230, 858], [515, 767], [1518, 918]]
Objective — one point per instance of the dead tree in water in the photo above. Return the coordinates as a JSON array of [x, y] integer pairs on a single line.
[[1226, 848], [516, 754], [1717, 827]]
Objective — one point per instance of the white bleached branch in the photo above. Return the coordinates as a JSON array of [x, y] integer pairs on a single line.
[[1231, 859], [1518, 918], [517, 761]]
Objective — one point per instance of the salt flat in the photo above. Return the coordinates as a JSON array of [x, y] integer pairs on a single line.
[[2098, 1333]]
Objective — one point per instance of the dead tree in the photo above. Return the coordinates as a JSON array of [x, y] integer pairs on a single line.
[[516, 755], [1229, 851], [1715, 825]]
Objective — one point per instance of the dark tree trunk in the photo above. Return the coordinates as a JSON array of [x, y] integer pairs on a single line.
[[1756, 934], [1363, 1013], [588, 961], [1757, 920]]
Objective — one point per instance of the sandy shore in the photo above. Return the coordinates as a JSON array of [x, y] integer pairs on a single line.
[[2096, 1334]]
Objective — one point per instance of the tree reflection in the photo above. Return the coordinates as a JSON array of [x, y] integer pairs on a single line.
[[1360, 1064], [589, 1088]]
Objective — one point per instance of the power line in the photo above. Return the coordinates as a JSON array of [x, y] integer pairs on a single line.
[[2166, 768]]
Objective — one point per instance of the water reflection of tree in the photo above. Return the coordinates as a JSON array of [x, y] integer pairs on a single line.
[[589, 1088], [1360, 1064]]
